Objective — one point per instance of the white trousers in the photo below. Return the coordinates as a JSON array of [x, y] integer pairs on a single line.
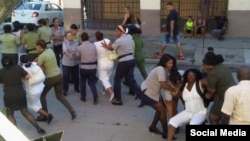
[[105, 69]]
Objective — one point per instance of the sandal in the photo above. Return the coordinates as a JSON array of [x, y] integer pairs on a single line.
[[181, 57]]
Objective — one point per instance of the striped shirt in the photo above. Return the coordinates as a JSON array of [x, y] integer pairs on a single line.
[[70, 47], [57, 33]]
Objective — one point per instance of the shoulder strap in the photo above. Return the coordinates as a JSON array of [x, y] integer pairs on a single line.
[[197, 84]]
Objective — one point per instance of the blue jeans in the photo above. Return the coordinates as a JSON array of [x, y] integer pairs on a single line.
[[90, 75]]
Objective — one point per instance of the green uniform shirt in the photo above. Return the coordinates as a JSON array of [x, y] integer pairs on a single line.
[[10, 43], [29, 41], [77, 38], [45, 33], [47, 60], [220, 78]]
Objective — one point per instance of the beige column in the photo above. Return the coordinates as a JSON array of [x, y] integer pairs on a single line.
[[238, 18], [150, 17], [72, 13]]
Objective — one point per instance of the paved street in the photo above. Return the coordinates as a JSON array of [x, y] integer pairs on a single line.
[[105, 122]]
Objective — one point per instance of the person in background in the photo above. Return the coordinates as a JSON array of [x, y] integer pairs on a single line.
[[104, 64], [129, 17], [171, 101], [74, 31], [10, 44], [219, 79], [17, 31], [235, 109], [152, 86], [29, 42], [126, 62], [139, 54], [44, 32], [199, 26], [86, 53], [194, 111], [47, 61], [70, 63], [221, 27], [172, 31], [77, 37], [188, 27], [34, 86], [11, 76], [58, 37]]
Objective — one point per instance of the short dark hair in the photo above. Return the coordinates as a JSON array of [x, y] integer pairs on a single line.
[[53, 20], [30, 27], [16, 25], [99, 35], [41, 43], [170, 3], [42, 22], [7, 61], [84, 36], [7, 28], [74, 26]]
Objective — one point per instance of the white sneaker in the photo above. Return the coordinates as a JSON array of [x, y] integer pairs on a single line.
[[111, 97]]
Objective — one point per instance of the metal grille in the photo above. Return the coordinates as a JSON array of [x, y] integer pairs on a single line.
[[106, 14], [208, 9]]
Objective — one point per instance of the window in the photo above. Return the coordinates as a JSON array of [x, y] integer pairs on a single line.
[[29, 6], [48, 7], [55, 7]]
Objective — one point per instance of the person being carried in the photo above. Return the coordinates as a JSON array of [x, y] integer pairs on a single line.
[[34, 86], [11, 76], [195, 110]]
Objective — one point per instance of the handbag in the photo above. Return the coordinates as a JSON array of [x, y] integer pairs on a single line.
[[112, 55]]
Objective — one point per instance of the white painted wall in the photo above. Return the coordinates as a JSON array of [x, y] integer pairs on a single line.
[[150, 4], [239, 5], [71, 3]]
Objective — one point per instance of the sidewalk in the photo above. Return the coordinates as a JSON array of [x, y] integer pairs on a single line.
[[236, 51]]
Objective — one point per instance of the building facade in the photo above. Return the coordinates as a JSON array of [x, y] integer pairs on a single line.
[[104, 15]]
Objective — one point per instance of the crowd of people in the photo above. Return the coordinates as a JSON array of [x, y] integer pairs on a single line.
[[53, 58]]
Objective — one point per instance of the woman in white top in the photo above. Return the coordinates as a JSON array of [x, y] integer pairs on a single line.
[[34, 86], [195, 110], [105, 65]]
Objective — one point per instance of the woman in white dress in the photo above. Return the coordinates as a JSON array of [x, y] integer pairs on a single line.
[[195, 111], [34, 86], [104, 65]]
